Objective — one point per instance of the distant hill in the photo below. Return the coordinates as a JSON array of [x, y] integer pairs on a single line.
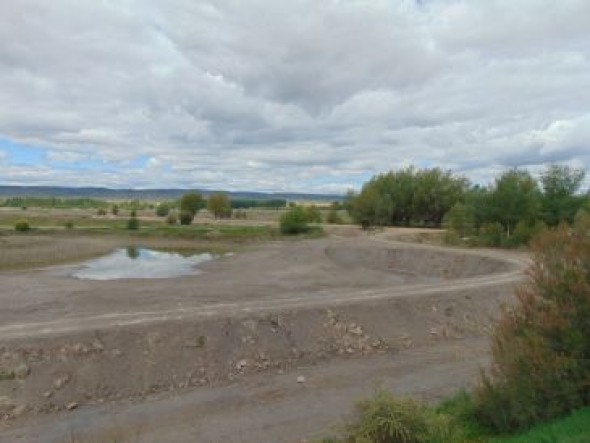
[[149, 194]]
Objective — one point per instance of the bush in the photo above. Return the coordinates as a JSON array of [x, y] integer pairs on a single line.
[[133, 224], [541, 347], [333, 217], [524, 233], [386, 419], [69, 225], [491, 234], [186, 217], [313, 214], [101, 212], [22, 226], [172, 219], [163, 209], [115, 210], [294, 221]]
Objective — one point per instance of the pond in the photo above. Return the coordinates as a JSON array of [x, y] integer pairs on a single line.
[[138, 262]]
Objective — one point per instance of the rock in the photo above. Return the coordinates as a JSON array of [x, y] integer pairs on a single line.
[[356, 330], [71, 406], [60, 382], [48, 394], [116, 353], [241, 364], [7, 404], [301, 379], [97, 345], [22, 371], [19, 410]]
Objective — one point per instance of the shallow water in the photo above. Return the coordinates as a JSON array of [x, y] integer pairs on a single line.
[[136, 262]]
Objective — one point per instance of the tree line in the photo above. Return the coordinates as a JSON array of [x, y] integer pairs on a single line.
[[509, 210]]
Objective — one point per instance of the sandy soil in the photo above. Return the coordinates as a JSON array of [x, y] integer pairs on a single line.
[[345, 310]]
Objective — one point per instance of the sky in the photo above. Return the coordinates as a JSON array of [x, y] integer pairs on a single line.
[[288, 96]]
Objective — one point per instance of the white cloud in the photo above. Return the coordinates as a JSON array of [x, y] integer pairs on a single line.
[[300, 95]]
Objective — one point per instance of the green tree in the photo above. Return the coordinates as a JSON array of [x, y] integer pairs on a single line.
[[514, 197], [460, 220], [560, 185], [190, 203], [219, 205], [406, 196]]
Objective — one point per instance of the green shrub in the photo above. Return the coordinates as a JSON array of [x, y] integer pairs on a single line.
[[541, 346], [491, 234], [333, 217], [313, 214], [163, 209], [186, 217], [22, 226], [294, 221], [386, 419], [171, 219], [115, 210], [523, 233], [69, 225], [101, 212], [133, 224]]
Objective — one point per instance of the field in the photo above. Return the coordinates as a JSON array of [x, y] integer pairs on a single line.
[[274, 342]]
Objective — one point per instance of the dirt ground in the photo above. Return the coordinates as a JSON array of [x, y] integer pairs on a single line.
[[215, 356]]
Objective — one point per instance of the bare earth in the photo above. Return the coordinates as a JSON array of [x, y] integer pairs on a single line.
[[215, 357]]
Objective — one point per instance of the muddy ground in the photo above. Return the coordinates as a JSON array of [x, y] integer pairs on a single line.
[[217, 355]]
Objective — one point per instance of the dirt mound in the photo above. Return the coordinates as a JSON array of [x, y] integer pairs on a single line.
[[418, 262]]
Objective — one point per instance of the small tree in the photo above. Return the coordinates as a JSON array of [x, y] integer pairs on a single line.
[[219, 205], [115, 210], [190, 203], [459, 221], [163, 209], [294, 221]]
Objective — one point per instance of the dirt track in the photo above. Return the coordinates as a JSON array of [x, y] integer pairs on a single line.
[[273, 309]]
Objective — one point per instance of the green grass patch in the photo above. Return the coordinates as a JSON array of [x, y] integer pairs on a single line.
[[575, 428]]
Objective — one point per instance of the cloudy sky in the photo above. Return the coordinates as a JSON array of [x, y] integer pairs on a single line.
[[298, 95]]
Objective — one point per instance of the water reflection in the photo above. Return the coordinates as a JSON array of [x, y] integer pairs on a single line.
[[132, 252], [137, 262]]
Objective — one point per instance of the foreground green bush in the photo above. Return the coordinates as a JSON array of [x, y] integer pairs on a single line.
[[22, 226], [294, 221], [386, 419], [541, 346]]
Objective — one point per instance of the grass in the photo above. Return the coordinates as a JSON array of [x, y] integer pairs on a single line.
[[574, 428]]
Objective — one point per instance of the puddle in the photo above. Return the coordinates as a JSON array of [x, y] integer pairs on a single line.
[[137, 262]]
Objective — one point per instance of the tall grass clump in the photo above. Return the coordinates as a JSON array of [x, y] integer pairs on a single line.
[[541, 346], [387, 419]]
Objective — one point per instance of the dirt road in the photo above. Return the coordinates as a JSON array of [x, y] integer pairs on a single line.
[[215, 357]]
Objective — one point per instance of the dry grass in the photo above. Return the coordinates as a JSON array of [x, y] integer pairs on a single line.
[[30, 251]]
